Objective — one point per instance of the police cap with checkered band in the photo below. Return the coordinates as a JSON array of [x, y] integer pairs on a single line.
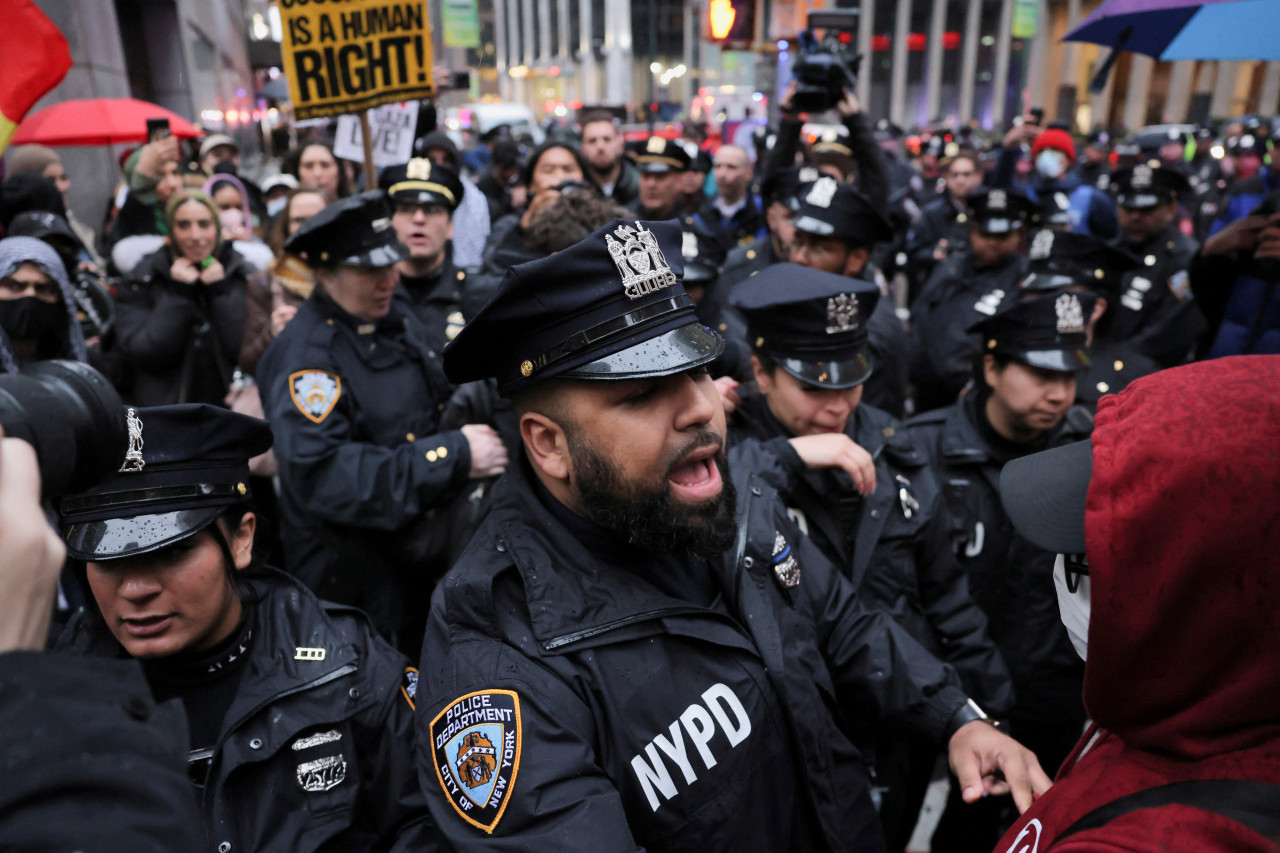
[[612, 306]]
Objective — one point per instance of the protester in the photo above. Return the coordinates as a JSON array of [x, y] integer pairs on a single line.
[[46, 162], [1182, 750], [472, 214], [314, 163], [603, 148], [152, 176], [37, 306], [181, 315]]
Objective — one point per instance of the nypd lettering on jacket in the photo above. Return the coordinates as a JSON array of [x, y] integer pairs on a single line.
[[476, 743], [720, 712]]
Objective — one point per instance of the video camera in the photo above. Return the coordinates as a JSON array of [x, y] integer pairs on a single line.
[[825, 68], [73, 418]]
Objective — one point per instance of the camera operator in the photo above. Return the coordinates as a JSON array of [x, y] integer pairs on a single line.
[[71, 726]]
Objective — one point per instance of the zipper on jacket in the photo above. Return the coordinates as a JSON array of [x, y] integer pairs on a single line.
[[588, 633], [275, 697]]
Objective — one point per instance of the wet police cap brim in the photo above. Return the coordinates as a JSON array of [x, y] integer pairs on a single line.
[[690, 346], [114, 538], [813, 225], [381, 256], [658, 167], [836, 374], [1045, 494], [1061, 360]]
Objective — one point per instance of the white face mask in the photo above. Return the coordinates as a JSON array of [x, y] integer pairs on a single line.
[[1073, 606], [1049, 163], [276, 205]]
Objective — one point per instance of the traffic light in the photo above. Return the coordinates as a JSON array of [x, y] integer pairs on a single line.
[[732, 23]]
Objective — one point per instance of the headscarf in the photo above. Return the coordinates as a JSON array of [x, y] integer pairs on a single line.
[[16, 251], [223, 178]]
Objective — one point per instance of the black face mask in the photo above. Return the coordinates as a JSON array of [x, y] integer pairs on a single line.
[[30, 319]]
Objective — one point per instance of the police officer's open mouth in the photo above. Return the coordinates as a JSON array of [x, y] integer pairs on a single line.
[[698, 477]]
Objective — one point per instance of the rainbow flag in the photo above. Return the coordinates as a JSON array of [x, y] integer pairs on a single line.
[[34, 58]]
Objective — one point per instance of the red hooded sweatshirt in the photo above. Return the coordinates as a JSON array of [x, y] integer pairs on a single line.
[[1182, 525]]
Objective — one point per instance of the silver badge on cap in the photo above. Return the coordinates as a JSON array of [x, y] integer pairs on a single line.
[[823, 190], [842, 313], [640, 261], [1070, 314], [689, 248], [133, 461], [1041, 245], [418, 169], [997, 200], [1141, 177]]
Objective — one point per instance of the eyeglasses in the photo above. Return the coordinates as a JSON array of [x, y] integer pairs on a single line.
[[1075, 566], [45, 290]]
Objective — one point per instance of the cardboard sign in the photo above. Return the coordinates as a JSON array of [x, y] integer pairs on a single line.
[[355, 55], [391, 127]]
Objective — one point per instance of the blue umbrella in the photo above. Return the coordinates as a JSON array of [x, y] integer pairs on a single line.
[[1186, 29]]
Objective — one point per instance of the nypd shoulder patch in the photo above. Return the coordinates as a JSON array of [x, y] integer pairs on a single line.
[[476, 744], [409, 686], [315, 393]]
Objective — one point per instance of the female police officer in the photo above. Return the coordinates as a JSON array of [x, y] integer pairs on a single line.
[[860, 490], [300, 717]]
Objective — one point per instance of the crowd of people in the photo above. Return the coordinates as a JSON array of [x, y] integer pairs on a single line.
[[587, 457]]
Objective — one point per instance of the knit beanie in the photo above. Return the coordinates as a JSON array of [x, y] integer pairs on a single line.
[[1057, 139]]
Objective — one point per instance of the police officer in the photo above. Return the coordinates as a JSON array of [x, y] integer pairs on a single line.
[[662, 164], [425, 196], [354, 390], [778, 195], [943, 227], [627, 655], [836, 230], [300, 717], [860, 491], [1156, 313], [1063, 260], [1251, 178], [1023, 401], [967, 286]]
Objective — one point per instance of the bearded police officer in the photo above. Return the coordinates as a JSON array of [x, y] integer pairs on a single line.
[[1032, 347], [354, 391], [632, 653], [1156, 313], [425, 196]]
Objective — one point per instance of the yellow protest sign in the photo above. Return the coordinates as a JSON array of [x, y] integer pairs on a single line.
[[343, 56]]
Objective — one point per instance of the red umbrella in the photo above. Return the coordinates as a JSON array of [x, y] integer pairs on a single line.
[[98, 121]]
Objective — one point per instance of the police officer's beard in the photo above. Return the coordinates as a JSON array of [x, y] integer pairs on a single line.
[[647, 517]]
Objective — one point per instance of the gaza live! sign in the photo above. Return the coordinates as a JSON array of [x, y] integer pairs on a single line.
[[344, 56]]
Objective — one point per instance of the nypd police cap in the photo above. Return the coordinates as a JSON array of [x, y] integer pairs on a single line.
[[829, 208], [813, 324], [998, 211], [354, 231], [185, 464], [1058, 259], [1144, 186], [612, 306], [422, 182], [1041, 330], [663, 155]]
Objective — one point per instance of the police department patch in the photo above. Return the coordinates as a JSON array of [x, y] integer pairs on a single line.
[[475, 741], [315, 392], [409, 686]]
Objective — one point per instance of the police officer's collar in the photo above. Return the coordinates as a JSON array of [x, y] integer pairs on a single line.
[[392, 322]]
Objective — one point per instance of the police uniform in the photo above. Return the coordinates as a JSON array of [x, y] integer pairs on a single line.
[[581, 694], [892, 544], [436, 298], [355, 407], [1008, 576], [301, 719], [959, 295], [780, 186], [1156, 313], [1060, 259], [827, 208]]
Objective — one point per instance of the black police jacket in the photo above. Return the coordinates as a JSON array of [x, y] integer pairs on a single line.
[[1156, 313], [181, 341], [315, 752], [355, 409], [941, 219], [893, 545], [630, 718], [90, 761], [956, 297], [1010, 579], [436, 300]]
